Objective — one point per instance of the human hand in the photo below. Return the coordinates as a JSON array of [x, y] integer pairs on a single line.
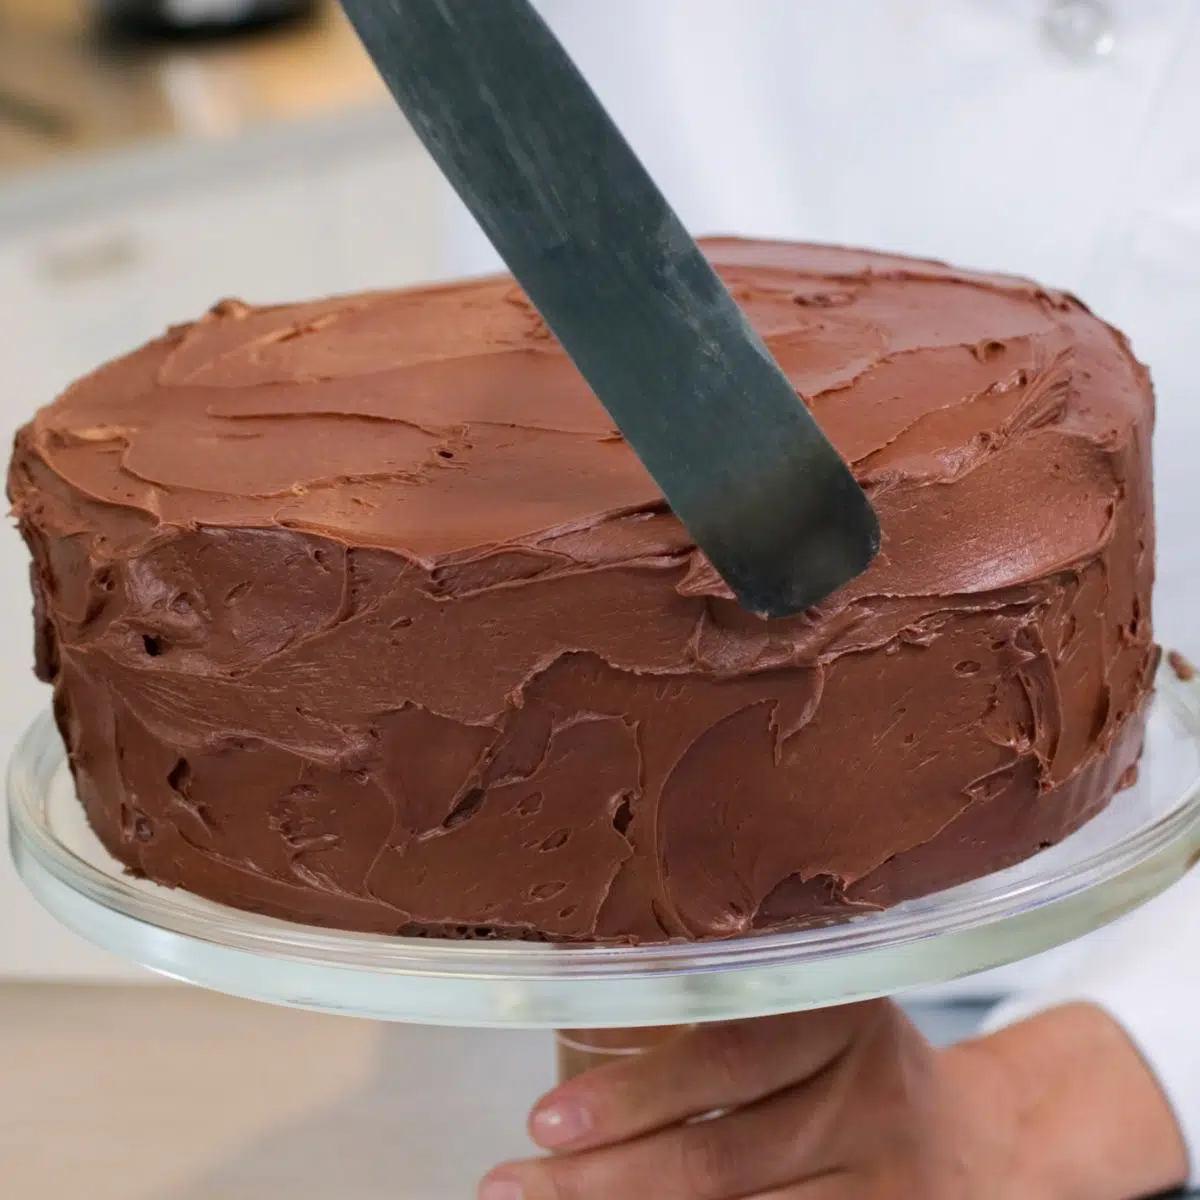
[[854, 1104]]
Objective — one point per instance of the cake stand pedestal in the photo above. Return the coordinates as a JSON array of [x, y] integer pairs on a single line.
[[1147, 838]]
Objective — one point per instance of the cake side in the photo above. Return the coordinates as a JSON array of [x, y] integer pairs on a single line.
[[361, 613]]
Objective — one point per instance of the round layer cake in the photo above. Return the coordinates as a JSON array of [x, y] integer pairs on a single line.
[[361, 613]]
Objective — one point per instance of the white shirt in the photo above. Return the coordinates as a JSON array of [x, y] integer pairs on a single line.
[[1053, 138]]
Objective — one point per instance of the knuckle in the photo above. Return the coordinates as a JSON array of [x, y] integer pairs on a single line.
[[712, 1164]]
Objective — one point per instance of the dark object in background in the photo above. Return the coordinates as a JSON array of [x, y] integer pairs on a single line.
[[196, 18]]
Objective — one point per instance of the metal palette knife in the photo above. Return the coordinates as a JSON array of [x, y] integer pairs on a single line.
[[542, 167]]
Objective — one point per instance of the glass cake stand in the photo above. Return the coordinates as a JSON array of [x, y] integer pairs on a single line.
[[1147, 838]]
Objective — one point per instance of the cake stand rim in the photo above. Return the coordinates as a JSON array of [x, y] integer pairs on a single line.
[[172, 937]]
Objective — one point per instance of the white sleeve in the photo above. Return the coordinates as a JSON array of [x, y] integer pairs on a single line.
[[464, 249], [1145, 973]]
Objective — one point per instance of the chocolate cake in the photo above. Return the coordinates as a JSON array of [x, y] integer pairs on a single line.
[[361, 613]]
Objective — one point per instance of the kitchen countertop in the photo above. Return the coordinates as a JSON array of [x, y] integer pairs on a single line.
[[172, 1093], [66, 94]]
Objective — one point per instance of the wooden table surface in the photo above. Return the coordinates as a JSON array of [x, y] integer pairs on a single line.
[[170, 1093]]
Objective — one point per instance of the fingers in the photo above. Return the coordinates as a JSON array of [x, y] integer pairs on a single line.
[[836, 1185], [713, 1068], [777, 1143]]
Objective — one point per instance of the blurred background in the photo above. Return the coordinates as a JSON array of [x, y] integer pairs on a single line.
[[156, 155]]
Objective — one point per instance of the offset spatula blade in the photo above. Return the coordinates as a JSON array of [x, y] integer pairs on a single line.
[[625, 289]]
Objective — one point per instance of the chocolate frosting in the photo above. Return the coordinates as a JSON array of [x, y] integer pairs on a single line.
[[361, 612]]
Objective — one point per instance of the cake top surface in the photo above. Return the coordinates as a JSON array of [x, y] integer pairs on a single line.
[[445, 422]]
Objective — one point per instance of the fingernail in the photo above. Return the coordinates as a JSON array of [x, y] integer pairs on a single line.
[[501, 1189], [561, 1124]]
